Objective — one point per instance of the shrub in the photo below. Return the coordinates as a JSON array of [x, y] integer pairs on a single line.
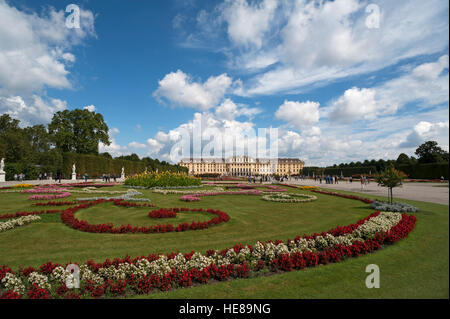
[[394, 207], [163, 179]]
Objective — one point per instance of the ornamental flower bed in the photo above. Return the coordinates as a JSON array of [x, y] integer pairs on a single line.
[[364, 200], [196, 197], [394, 207], [47, 193], [20, 214], [23, 186], [128, 196], [48, 197], [163, 179], [124, 203], [289, 198], [67, 217], [162, 213], [143, 275], [88, 185], [13, 223], [186, 192], [307, 187], [56, 203]]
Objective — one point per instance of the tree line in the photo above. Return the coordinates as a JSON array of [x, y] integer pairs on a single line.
[[431, 162], [36, 149]]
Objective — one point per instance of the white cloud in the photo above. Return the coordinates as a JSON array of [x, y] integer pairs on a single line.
[[91, 108], [425, 83], [35, 55], [114, 149], [228, 110], [136, 145], [248, 23], [34, 48], [31, 110], [299, 114], [426, 131], [178, 88], [310, 43]]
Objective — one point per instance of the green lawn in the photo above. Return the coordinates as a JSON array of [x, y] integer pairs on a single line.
[[416, 267]]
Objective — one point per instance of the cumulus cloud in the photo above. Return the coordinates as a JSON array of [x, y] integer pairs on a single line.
[[299, 114], [228, 110], [425, 84], [425, 131], [180, 89], [31, 110], [284, 35], [114, 148], [248, 23], [35, 55]]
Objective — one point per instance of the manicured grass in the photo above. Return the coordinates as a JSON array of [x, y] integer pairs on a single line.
[[416, 267]]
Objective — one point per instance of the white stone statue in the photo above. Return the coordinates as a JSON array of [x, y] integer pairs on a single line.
[[123, 171], [2, 170], [74, 174]]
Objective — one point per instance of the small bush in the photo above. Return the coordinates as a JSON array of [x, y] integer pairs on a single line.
[[394, 207]]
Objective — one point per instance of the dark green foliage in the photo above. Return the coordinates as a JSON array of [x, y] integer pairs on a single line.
[[429, 152], [78, 131], [74, 137]]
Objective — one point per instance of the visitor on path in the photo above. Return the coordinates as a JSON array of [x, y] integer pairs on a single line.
[[362, 183], [351, 179], [85, 177]]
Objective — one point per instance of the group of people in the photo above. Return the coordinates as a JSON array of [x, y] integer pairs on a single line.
[[329, 179], [19, 177], [107, 177]]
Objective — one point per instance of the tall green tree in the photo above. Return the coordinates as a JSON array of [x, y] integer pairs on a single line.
[[430, 152], [78, 131], [14, 145]]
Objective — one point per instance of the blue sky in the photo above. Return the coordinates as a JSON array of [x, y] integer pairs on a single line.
[[342, 81]]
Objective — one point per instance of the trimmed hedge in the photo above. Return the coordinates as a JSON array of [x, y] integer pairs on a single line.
[[349, 171], [420, 171], [95, 166], [425, 171]]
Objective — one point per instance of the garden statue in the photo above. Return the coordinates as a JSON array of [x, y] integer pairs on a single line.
[[2, 170], [74, 174], [122, 175]]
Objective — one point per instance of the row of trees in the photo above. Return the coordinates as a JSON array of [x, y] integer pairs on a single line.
[[37, 149], [428, 152], [431, 162]]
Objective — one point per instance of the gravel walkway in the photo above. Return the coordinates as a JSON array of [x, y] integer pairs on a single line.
[[426, 192]]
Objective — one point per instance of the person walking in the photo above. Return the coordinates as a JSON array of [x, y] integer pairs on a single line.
[[85, 177], [362, 183]]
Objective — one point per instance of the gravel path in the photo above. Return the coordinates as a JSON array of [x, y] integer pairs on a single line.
[[426, 192]]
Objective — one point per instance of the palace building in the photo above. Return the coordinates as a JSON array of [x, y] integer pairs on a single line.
[[243, 166]]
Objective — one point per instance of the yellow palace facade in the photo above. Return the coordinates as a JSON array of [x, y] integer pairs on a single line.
[[243, 165]]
